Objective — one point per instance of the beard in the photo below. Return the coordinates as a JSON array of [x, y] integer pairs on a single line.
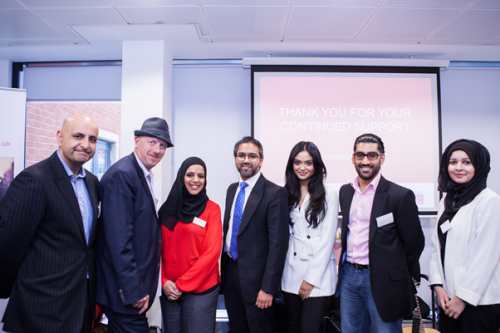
[[250, 172], [375, 168]]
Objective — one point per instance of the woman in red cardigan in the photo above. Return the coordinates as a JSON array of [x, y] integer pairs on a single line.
[[191, 247]]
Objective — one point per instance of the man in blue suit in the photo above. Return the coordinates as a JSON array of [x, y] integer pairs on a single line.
[[129, 236]]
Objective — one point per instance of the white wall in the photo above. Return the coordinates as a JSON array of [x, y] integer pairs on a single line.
[[5, 73]]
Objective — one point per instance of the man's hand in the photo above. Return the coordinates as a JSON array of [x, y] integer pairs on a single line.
[[454, 307], [264, 300], [441, 297], [171, 291], [305, 290], [142, 304]]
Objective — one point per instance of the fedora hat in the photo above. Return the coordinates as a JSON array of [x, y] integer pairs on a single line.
[[156, 127]]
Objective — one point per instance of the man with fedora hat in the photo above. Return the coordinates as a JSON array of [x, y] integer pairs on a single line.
[[129, 236]]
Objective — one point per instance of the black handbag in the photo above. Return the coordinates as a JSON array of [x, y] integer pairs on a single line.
[[333, 322]]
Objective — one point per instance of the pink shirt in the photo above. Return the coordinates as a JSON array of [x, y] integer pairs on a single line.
[[359, 221]]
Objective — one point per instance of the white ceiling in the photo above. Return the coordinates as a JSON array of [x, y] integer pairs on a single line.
[[58, 30]]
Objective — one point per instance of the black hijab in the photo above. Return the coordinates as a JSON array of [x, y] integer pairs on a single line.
[[180, 204], [459, 195]]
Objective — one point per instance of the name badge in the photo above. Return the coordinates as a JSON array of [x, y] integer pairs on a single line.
[[445, 226], [199, 222], [385, 219]]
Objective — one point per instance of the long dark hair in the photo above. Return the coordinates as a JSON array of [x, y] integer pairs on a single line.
[[316, 210]]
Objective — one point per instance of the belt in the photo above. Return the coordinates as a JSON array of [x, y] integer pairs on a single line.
[[358, 266]]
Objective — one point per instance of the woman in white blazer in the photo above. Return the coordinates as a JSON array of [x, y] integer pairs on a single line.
[[465, 262], [310, 274]]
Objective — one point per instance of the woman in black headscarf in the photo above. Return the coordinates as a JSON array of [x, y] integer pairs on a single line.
[[465, 262], [191, 246]]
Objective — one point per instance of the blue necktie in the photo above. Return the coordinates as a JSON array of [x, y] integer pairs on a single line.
[[238, 212]]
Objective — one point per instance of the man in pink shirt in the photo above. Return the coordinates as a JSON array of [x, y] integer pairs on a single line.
[[381, 244]]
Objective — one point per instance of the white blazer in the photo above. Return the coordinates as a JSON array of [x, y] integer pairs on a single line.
[[310, 253], [472, 255]]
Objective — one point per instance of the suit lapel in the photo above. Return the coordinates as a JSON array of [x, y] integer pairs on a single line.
[[229, 205], [346, 209], [144, 182], [378, 206], [93, 200], [252, 203], [63, 183]]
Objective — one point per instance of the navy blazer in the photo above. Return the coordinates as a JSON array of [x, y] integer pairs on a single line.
[[393, 249], [262, 238], [43, 253], [129, 239]]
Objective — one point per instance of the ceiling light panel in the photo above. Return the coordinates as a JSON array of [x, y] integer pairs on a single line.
[[22, 24], [326, 22], [406, 22], [166, 15], [246, 23], [472, 24]]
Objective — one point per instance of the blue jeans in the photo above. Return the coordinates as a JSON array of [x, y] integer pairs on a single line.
[[357, 308], [190, 314]]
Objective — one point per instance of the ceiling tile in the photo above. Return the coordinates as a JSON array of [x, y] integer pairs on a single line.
[[316, 40], [495, 42], [486, 4], [427, 3], [22, 24], [65, 3], [248, 23], [63, 18], [326, 22], [337, 2], [10, 4], [364, 40], [37, 42], [246, 2], [472, 24], [166, 15], [119, 3], [406, 22], [456, 41]]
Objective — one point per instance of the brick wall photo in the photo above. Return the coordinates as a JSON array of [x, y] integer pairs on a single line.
[[44, 119]]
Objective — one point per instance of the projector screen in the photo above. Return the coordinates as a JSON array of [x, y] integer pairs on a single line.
[[331, 106]]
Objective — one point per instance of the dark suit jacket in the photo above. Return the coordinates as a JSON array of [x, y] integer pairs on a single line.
[[43, 252], [129, 239], [262, 238], [394, 249]]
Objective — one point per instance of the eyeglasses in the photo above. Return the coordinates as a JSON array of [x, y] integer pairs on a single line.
[[372, 156], [251, 157]]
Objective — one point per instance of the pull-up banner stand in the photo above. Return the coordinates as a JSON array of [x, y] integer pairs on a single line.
[[12, 144]]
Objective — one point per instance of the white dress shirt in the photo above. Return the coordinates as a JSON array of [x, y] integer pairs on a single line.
[[251, 184]]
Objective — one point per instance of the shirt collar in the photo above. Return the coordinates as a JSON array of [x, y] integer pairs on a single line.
[[81, 173], [146, 172], [252, 180], [373, 183]]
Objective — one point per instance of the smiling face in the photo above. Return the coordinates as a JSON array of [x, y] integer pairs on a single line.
[[194, 179], [366, 169], [247, 160], [150, 150], [303, 165], [77, 141], [460, 167]]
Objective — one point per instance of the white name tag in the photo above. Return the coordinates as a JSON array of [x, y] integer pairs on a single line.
[[385, 219], [445, 226], [199, 222]]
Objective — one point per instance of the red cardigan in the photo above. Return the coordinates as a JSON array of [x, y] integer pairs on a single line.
[[190, 253]]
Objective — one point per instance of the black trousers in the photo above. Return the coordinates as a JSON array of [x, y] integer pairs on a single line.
[[125, 323], [482, 318], [303, 316], [244, 317], [87, 314]]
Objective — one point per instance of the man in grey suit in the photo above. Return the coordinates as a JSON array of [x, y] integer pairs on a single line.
[[48, 221], [255, 242]]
